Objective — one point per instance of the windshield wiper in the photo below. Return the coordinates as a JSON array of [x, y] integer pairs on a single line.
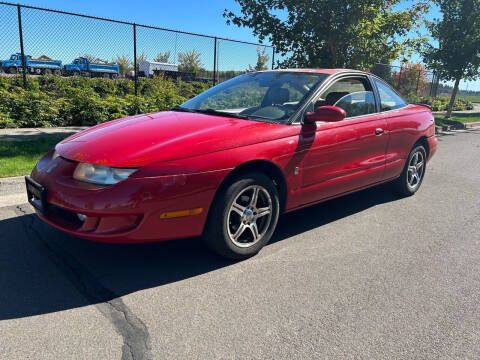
[[211, 111], [220, 113], [208, 111], [179, 108]]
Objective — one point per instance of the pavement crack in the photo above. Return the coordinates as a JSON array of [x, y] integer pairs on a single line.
[[136, 339]]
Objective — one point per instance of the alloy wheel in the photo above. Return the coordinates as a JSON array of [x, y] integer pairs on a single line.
[[249, 216], [415, 170]]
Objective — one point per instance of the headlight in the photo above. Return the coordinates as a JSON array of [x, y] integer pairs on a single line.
[[98, 174], [55, 155]]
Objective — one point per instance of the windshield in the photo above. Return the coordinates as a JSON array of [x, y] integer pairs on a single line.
[[272, 95]]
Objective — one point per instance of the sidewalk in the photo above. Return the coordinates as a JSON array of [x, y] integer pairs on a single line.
[[12, 191], [28, 133]]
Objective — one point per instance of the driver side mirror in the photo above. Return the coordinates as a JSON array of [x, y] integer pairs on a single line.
[[325, 113]]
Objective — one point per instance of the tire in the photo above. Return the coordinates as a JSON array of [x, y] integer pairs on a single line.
[[76, 73], [12, 70], [47, 72], [232, 235], [57, 72], [38, 71], [410, 180]]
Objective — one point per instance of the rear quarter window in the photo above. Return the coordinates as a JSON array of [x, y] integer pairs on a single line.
[[389, 99]]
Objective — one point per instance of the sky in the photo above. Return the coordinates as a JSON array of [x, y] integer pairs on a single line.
[[66, 40]]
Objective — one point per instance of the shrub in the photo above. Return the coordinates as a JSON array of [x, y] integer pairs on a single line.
[[52, 100], [440, 103]]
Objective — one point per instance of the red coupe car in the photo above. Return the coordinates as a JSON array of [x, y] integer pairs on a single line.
[[228, 162]]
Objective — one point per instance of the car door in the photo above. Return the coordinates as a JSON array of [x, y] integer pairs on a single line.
[[349, 154], [401, 125]]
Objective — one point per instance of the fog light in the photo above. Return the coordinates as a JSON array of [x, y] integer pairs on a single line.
[[82, 217]]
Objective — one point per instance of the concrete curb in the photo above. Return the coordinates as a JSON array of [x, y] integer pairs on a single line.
[[25, 133], [12, 180], [459, 126], [12, 191]]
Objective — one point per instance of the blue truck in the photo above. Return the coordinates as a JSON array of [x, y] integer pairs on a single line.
[[82, 66], [34, 66]]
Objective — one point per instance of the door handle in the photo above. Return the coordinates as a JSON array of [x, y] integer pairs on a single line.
[[379, 131]]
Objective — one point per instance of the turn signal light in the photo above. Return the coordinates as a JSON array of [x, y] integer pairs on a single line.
[[181, 213]]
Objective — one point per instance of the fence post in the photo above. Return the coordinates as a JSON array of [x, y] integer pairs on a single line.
[[437, 82], [214, 61], [432, 84], [418, 81], [273, 58], [400, 77], [20, 33], [135, 72]]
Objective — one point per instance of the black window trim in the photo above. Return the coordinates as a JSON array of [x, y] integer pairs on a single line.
[[373, 81]]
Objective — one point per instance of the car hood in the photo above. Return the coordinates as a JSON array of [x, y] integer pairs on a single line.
[[140, 140]]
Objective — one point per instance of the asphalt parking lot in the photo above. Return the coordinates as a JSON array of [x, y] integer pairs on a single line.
[[367, 276]]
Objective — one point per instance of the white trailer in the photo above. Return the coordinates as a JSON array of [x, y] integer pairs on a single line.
[[150, 68]]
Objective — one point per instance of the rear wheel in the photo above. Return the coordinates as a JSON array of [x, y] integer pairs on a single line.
[[413, 172], [57, 72], [47, 71], [12, 70], [38, 71], [243, 217]]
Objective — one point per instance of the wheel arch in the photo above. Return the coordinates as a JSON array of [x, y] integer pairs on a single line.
[[423, 141], [264, 166]]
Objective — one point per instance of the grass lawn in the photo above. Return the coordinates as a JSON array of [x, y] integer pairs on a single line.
[[475, 99], [18, 157], [457, 119]]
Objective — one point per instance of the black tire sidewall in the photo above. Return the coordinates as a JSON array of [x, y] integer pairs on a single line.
[[403, 185]]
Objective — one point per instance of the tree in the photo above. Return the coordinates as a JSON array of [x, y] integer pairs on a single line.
[[123, 64], [95, 60], [141, 57], [411, 79], [457, 55], [332, 33], [262, 59], [162, 57], [189, 61]]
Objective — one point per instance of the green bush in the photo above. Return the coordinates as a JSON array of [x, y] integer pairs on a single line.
[[66, 101], [440, 103]]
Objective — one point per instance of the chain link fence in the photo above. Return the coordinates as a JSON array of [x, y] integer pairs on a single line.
[[412, 80], [36, 41]]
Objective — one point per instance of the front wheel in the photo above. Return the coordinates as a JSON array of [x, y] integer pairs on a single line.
[[243, 217], [413, 172]]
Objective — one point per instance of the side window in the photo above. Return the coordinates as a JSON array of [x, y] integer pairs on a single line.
[[354, 95], [389, 99]]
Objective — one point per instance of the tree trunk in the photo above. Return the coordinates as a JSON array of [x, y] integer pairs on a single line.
[[452, 99]]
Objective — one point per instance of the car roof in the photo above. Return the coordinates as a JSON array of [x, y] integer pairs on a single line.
[[318, 71]]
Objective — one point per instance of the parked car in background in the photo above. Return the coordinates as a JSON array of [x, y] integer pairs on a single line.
[[82, 66], [228, 162], [42, 65]]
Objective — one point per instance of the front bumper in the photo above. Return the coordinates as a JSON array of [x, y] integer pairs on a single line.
[[127, 212]]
